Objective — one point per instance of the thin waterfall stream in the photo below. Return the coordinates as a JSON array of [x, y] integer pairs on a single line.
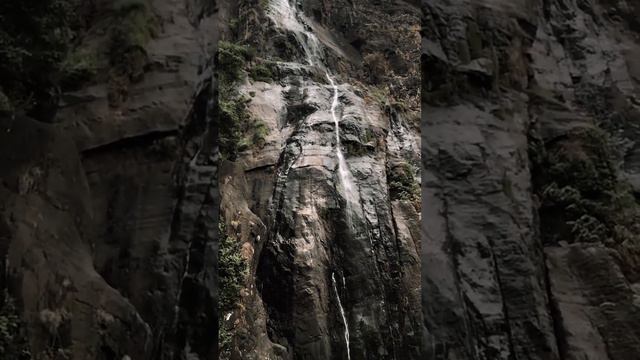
[[344, 317], [287, 17]]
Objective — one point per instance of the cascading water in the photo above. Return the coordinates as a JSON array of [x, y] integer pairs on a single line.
[[343, 170], [344, 317], [287, 17]]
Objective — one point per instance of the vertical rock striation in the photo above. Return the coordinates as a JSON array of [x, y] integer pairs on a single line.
[[528, 180], [324, 207], [110, 212]]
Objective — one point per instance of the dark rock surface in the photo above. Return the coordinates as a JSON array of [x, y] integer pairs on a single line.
[[109, 215], [506, 84], [312, 248]]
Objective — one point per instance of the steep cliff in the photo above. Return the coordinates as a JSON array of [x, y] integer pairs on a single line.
[[115, 144], [530, 244], [320, 186], [109, 200]]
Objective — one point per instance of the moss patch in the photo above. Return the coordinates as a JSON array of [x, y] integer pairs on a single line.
[[262, 72], [232, 59], [402, 183], [79, 67], [238, 130]]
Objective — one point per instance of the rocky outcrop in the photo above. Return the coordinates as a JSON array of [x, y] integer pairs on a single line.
[[528, 180], [110, 213]]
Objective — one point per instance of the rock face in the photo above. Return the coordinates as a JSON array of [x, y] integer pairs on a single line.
[[332, 245], [528, 147], [109, 215]]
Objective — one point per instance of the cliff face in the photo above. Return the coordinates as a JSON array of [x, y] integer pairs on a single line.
[[296, 150], [322, 195], [110, 214], [530, 179], [109, 211]]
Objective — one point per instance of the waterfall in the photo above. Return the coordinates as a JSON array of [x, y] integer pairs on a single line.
[[344, 317], [343, 170], [287, 17]]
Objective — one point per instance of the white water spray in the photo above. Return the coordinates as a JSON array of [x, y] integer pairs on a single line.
[[343, 170], [344, 317]]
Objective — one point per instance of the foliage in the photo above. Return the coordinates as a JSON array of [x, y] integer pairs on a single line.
[[377, 67], [232, 59], [13, 343], [261, 130], [135, 26], [233, 115], [34, 38], [238, 130], [582, 198], [402, 183], [583, 161], [232, 270], [261, 72]]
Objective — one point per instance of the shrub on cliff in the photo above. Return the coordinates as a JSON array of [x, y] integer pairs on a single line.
[[135, 27], [238, 130], [34, 38], [232, 270], [402, 183], [582, 197], [262, 72], [231, 60], [13, 342]]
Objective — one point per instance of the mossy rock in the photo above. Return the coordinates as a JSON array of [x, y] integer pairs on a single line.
[[78, 68], [402, 183], [232, 58], [262, 72]]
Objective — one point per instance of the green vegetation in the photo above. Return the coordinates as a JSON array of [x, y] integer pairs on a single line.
[[13, 342], [38, 59], [136, 25], [238, 130], [233, 115], [79, 67], [34, 39], [232, 270], [232, 59], [262, 72], [582, 198], [402, 183]]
